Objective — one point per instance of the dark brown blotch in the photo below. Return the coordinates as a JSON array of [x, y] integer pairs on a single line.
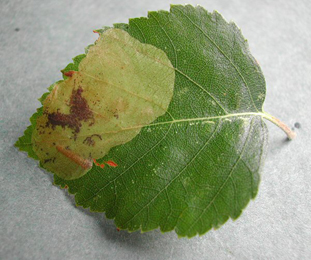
[[79, 111]]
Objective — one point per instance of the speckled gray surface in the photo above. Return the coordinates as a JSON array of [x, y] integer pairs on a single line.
[[40, 221]]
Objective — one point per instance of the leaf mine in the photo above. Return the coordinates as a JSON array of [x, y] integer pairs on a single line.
[[121, 86]]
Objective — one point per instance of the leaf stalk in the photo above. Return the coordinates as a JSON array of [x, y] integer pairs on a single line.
[[290, 133]]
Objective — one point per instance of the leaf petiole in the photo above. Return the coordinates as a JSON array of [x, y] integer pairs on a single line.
[[290, 134]]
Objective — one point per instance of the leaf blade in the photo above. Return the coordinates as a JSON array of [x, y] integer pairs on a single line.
[[168, 176]]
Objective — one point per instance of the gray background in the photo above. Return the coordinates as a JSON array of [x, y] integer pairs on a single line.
[[40, 221]]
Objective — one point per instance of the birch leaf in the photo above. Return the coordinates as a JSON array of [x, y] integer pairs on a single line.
[[197, 162]]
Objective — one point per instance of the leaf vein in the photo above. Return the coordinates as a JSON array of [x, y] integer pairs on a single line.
[[224, 183], [223, 53], [200, 150]]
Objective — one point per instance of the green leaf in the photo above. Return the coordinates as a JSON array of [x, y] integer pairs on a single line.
[[198, 164]]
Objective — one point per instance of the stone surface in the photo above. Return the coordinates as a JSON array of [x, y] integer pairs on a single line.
[[40, 221]]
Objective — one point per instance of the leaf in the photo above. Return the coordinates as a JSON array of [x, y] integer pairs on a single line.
[[120, 86], [198, 164]]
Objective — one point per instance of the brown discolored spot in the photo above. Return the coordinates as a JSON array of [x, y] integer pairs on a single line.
[[68, 73], [49, 160], [115, 114], [90, 141], [79, 111]]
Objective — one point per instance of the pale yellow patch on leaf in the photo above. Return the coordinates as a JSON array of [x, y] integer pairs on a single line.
[[121, 86]]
